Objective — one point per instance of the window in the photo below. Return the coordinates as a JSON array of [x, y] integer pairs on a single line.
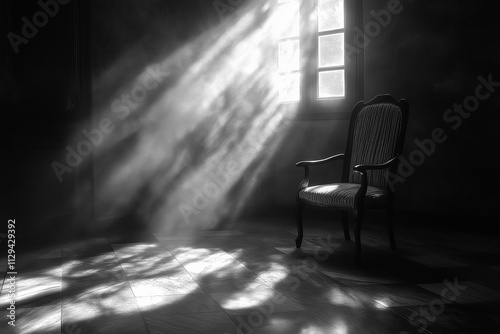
[[331, 64], [325, 22]]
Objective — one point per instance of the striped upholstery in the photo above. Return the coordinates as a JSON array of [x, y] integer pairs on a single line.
[[375, 136], [341, 195]]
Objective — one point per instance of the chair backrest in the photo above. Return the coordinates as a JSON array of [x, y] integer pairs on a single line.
[[376, 134]]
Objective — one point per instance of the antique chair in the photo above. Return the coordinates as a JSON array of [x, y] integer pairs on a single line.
[[376, 136]]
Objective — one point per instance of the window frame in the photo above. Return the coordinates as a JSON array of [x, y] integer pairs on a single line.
[[322, 69], [328, 107]]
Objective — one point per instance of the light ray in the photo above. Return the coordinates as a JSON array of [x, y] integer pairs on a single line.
[[190, 153]]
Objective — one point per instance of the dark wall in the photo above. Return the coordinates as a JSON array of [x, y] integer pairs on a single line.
[[432, 54], [40, 110]]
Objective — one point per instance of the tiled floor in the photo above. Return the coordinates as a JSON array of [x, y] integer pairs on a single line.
[[251, 279]]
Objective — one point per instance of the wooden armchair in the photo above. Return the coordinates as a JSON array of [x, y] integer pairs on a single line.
[[376, 137]]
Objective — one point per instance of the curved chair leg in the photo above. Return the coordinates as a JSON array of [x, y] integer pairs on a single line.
[[300, 209], [358, 220], [345, 223], [390, 224]]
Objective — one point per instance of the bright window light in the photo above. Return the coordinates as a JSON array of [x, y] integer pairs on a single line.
[[329, 66], [288, 32], [331, 84], [330, 15], [288, 56], [289, 87], [287, 19], [331, 50]]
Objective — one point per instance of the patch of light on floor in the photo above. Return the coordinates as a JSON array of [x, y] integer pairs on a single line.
[[340, 327], [32, 288], [312, 329], [248, 298], [275, 273], [151, 303], [44, 319], [382, 303], [339, 296], [202, 261]]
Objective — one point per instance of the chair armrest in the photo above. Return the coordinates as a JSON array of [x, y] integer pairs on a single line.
[[385, 165], [305, 182], [359, 198], [319, 162]]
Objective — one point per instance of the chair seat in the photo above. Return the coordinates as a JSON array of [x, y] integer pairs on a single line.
[[341, 195]]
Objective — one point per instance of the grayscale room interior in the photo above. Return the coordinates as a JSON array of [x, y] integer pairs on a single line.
[[250, 166]]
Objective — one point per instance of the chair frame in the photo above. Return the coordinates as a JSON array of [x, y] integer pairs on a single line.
[[358, 211]]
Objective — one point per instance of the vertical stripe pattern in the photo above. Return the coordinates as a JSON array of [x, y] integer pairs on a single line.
[[375, 137]]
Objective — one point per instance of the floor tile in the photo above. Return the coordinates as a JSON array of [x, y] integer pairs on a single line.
[[435, 261], [201, 323], [107, 324], [132, 238], [446, 319], [221, 233], [392, 295], [255, 298], [37, 320], [156, 266], [177, 236], [174, 244], [160, 286], [265, 322], [353, 277], [231, 282], [33, 291], [367, 321], [202, 262], [326, 297], [98, 258], [178, 304], [111, 306], [139, 251], [464, 292]]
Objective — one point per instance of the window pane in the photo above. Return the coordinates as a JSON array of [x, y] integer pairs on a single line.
[[331, 84], [330, 15], [289, 87], [331, 50], [288, 56], [287, 20]]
